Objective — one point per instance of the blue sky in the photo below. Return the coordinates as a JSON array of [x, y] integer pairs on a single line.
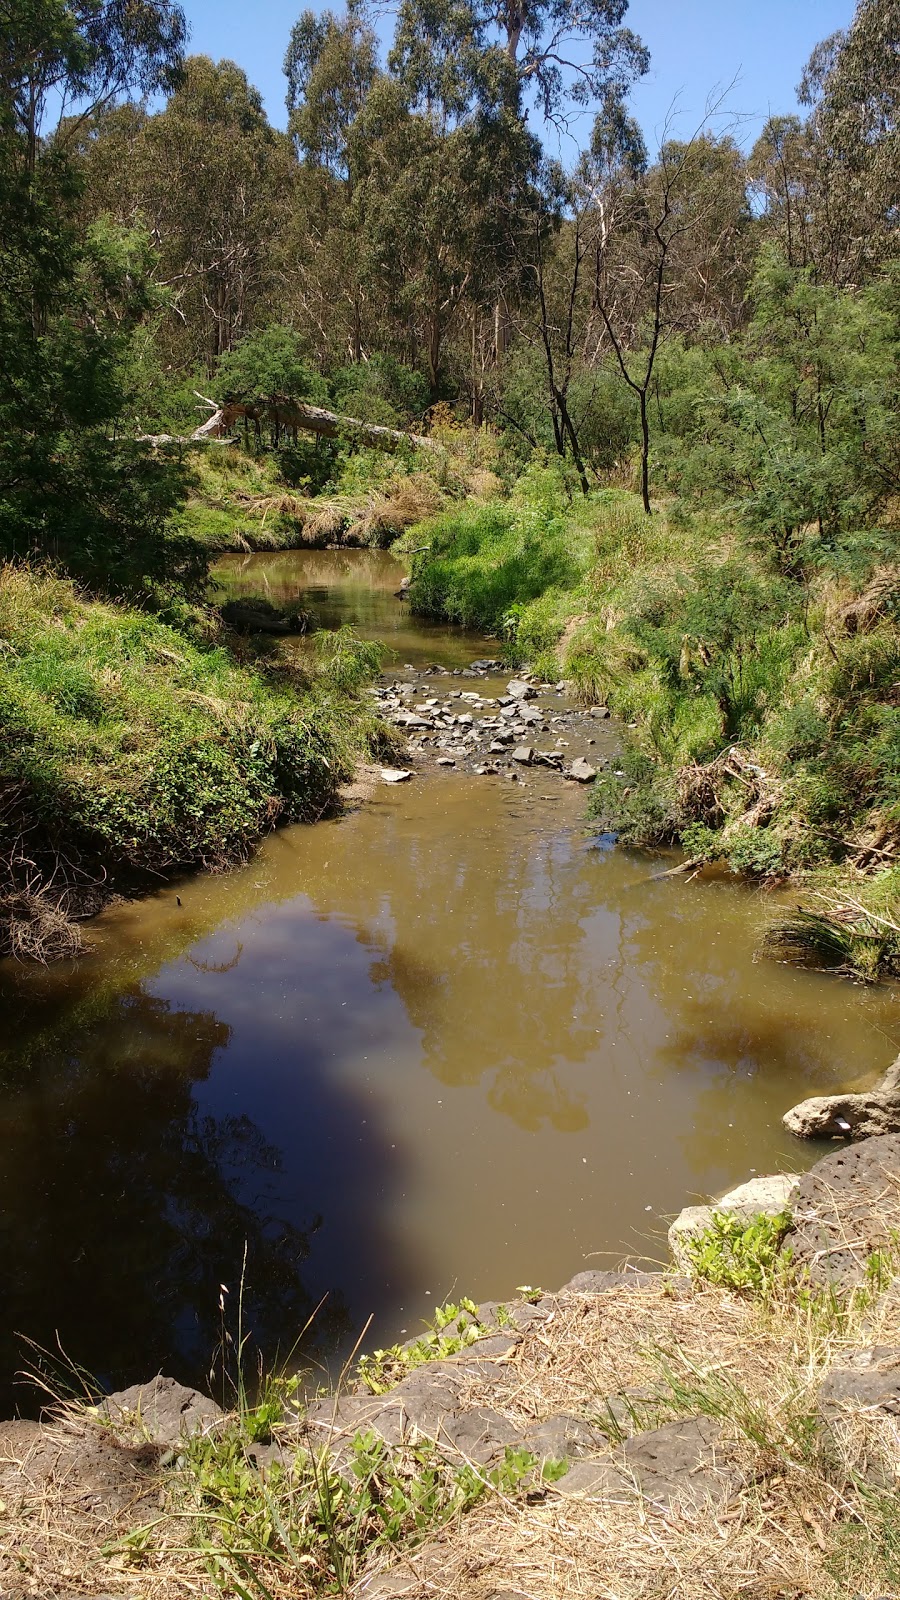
[[696, 45]]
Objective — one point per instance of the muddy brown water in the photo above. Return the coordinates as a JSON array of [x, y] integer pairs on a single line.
[[449, 1043]]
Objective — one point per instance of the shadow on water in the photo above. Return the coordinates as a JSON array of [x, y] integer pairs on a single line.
[[125, 1203]]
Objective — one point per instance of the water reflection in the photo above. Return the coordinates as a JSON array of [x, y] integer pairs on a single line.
[[124, 1205], [355, 586], [440, 1044]]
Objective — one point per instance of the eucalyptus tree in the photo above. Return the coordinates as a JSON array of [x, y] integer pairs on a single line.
[[560, 55], [59, 57], [830, 182], [70, 298], [852, 85], [331, 64], [214, 181]]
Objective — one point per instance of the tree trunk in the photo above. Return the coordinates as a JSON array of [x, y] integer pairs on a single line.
[[645, 452]]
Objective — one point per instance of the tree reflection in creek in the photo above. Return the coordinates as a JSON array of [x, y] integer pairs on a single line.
[[132, 1204]]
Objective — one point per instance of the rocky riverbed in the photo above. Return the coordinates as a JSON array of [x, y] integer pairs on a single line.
[[519, 724]]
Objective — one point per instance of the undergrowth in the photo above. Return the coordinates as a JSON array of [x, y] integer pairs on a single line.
[[127, 751]]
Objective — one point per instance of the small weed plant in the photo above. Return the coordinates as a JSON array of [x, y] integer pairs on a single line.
[[453, 1329], [748, 1257]]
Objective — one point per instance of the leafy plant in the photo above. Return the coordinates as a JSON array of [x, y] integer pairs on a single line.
[[744, 1256], [453, 1329]]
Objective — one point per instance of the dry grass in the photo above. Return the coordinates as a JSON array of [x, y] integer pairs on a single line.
[[34, 926], [85, 1514]]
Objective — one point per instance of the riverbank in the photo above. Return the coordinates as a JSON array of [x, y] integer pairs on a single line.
[[726, 1425], [365, 499], [130, 752], [759, 706]]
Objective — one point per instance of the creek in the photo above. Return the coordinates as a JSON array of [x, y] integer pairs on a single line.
[[448, 1043]]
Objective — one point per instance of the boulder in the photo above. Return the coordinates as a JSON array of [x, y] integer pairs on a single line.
[[686, 1463], [847, 1207], [850, 1116], [161, 1411], [866, 1380], [395, 774], [257, 615], [524, 754], [767, 1197], [603, 1282], [519, 690]]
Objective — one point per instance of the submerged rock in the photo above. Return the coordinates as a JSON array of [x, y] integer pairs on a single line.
[[261, 616]]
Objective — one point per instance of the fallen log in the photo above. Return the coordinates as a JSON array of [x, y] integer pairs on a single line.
[[849, 1116], [285, 416]]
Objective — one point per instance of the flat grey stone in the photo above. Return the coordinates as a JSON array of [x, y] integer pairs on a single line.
[[596, 1480], [519, 690], [867, 1380], [683, 1461], [342, 1417], [161, 1411], [564, 1438], [523, 753], [602, 1282], [582, 771], [479, 1435]]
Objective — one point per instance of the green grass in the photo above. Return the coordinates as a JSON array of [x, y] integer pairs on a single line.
[[127, 750], [487, 563]]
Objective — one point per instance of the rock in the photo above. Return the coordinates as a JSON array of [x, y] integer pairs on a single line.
[[866, 1380], [411, 719], [523, 753], [519, 690], [845, 1208], [395, 774], [254, 615], [161, 1411], [563, 1438], [684, 1462], [596, 1480], [687, 1463], [602, 1282], [530, 715], [768, 1197], [445, 761], [480, 1435], [600, 712], [582, 771], [850, 1116]]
